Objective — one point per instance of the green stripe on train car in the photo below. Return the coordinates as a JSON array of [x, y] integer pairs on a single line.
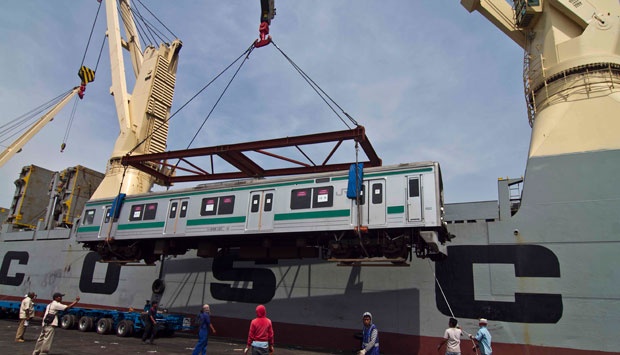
[[387, 173], [140, 225], [88, 229], [395, 209], [314, 214], [221, 220]]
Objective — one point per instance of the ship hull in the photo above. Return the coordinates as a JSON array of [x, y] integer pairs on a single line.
[[544, 277]]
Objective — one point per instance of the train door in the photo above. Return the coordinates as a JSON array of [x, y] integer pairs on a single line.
[[108, 227], [373, 203], [414, 198], [376, 202], [260, 211], [176, 220]]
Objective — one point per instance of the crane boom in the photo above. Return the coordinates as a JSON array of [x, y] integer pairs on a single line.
[[501, 14], [19, 143]]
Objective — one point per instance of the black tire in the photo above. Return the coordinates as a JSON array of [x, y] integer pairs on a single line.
[[104, 326], [75, 320], [67, 321], [124, 328], [86, 324], [158, 286]]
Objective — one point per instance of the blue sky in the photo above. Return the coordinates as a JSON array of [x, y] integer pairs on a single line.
[[427, 79]]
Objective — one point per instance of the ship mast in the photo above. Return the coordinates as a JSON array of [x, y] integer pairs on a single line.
[[143, 113]]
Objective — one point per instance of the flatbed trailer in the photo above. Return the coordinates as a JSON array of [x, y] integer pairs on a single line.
[[105, 321]]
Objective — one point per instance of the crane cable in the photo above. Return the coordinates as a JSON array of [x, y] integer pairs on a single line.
[[247, 56], [317, 88], [21, 123], [75, 103], [322, 94], [163, 124], [443, 294]]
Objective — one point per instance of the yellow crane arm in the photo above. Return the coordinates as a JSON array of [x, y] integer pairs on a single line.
[[501, 14], [16, 146]]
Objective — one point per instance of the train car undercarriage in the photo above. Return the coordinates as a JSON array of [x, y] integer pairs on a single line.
[[390, 244]]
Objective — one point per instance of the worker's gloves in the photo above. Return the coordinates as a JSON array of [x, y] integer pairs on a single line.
[[245, 351], [361, 352]]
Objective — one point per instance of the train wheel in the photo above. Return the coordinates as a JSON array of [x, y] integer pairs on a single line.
[[104, 326], [85, 324], [124, 328], [67, 321], [158, 286]]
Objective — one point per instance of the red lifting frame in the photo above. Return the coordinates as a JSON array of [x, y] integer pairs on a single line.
[[247, 168]]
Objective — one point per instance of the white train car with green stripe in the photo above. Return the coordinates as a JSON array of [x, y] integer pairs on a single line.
[[398, 211]]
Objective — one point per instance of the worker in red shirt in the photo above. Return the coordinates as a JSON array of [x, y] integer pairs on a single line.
[[260, 336]]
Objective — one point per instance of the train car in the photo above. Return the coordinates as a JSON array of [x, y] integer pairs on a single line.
[[397, 211]]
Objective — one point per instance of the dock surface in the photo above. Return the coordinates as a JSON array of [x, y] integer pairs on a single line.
[[75, 342]]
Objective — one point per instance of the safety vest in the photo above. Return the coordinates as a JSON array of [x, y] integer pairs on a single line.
[[366, 335]]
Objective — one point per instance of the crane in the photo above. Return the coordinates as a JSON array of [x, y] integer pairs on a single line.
[[19, 143], [143, 114], [571, 69]]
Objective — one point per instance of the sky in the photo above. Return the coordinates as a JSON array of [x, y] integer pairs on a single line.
[[428, 80]]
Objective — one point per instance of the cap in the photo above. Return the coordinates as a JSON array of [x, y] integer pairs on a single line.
[[58, 294], [482, 321], [367, 314]]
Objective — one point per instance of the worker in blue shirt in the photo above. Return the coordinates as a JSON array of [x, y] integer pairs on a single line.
[[203, 332], [483, 338]]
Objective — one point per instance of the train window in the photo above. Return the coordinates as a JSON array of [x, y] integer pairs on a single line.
[[183, 209], [377, 193], [323, 197], [173, 210], [89, 217], [362, 195], [255, 204], [300, 198], [268, 202], [414, 187], [227, 205], [136, 212], [209, 206], [150, 211]]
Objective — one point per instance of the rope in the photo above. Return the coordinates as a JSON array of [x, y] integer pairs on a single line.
[[443, 294]]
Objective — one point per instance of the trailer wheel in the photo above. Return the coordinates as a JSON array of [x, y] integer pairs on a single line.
[[158, 286], [85, 324], [124, 328], [104, 326], [67, 321]]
